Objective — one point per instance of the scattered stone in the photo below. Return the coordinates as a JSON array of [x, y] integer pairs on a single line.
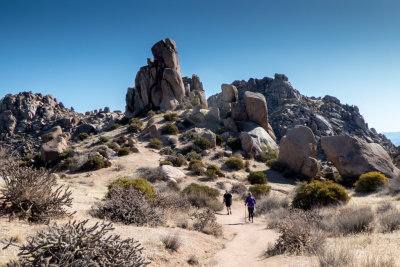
[[170, 172]]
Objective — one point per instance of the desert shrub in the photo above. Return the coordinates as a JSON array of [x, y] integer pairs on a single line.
[[275, 217], [166, 162], [128, 206], [354, 220], [317, 194], [385, 206], [83, 136], [369, 182], [234, 143], [259, 190], [218, 139], [282, 168], [178, 161], [298, 234], [95, 163], [168, 151], [115, 126], [136, 121], [193, 260], [238, 189], [267, 154], [68, 163], [390, 221], [169, 128], [123, 151], [171, 241], [75, 244], [139, 184], [206, 222], [247, 164], [103, 139], [269, 203], [172, 116], [134, 127], [155, 143], [202, 143], [234, 163], [202, 196], [151, 114], [189, 135], [257, 178], [213, 171], [193, 156], [195, 101], [32, 194], [196, 166], [170, 201], [112, 146], [337, 256]]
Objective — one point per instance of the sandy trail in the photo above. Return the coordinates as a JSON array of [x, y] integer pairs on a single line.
[[248, 242]]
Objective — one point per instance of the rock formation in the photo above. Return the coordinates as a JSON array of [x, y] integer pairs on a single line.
[[158, 85], [353, 157], [254, 138], [194, 89], [287, 108], [298, 149]]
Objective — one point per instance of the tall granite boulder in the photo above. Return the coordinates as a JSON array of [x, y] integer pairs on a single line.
[[353, 157], [158, 85], [298, 149], [194, 89], [254, 138], [256, 108]]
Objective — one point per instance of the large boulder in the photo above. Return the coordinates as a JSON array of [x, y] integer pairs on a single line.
[[256, 108], [353, 157], [52, 134], [158, 85], [51, 150], [298, 149], [229, 93], [210, 136], [238, 112], [253, 140], [168, 172]]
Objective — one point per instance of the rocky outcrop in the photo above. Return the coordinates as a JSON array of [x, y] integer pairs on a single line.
[[353, 157], [324, 116], [158, 85], [298, 149], [194, 90], [51, 150], [169, 173], [254, 138], [256, 108]]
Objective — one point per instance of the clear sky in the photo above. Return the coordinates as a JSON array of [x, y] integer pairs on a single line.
[[86, 53]]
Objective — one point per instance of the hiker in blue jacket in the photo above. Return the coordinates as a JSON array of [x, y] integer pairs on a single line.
[[250, 203]]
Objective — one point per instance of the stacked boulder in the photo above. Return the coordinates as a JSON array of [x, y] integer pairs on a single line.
[[194, 89], [158, 85], [56, 142], [353, 157], [298, 149]]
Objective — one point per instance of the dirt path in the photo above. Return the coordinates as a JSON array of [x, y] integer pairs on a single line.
[[247, 243]]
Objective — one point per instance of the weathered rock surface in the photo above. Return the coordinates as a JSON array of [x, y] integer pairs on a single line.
[[353, 157], [298, 149], [256, 108], [287, 108], [51, 150], [210, 136], [52, 134], [254, 138], [193, 89], [158, 85], [168, 172], [229, 93]]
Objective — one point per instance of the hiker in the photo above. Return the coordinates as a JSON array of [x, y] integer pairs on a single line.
[[250, 202], [228, 201]]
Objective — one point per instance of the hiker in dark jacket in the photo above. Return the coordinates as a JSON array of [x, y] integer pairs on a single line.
[[250, 203], [228, 201]]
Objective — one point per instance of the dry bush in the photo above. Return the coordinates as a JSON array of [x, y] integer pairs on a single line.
[[385, 206], [238, 189], [75, 244], [375, 261], [269, 203], [171, 241], [193, 260], [202, 196], [390, 221], [129, 206], [337, 256], [32, 194], [298, 234], [393, 187], [170, 201], [275, 217], [149, 173], [206, 222], [354, 220]]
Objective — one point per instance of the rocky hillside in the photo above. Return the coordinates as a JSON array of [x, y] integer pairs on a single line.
[[325, 116], [26, 116]]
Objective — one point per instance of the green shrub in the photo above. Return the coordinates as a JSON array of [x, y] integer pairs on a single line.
[[195, 101], [259, 190], [139, 184], [115, 126], [193, 155], [123, 151], [155, 143], [234, 143], [202, 143], [151, 114], [317, 194], [166, 162], [169, 128], [234, 163], [213, 171], [68, 163], [219, 139], [202, 196], [103, 139], [267, 154], [171, 116], [246, 164], [196, 166], [257, 178], [179, 161], [95, 163], [83, 136], [136, 121], [167, 151], [282, 168], [369, 182], [189, 135], [134, 128]]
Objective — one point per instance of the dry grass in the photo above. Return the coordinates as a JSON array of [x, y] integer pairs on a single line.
[[171, 241]]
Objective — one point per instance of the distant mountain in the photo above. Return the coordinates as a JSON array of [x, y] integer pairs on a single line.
[[394, 137]]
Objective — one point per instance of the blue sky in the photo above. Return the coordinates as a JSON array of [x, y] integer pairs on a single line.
[[86, 53]]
